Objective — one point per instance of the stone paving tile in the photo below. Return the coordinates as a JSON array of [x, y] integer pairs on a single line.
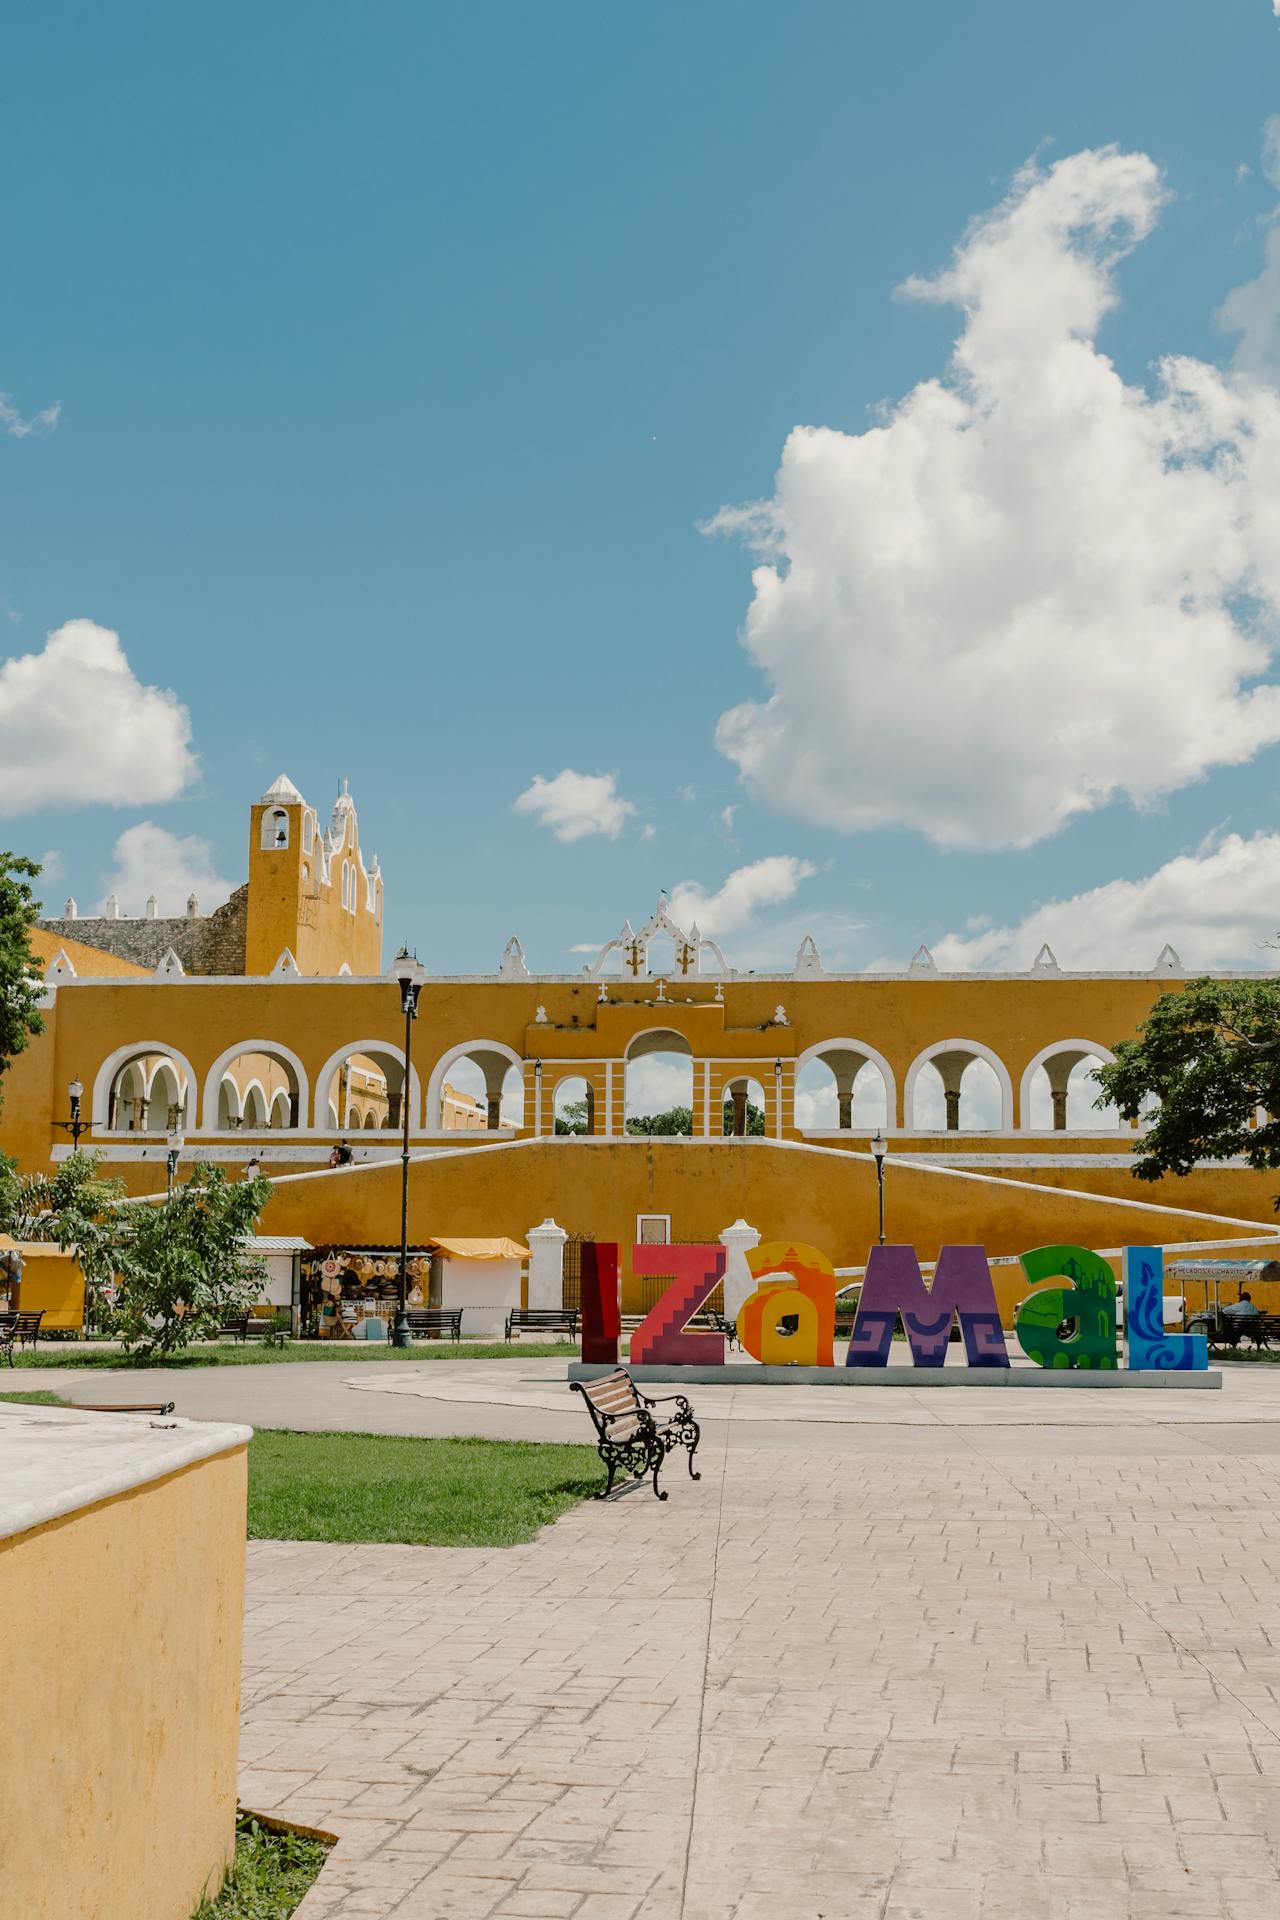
[[1035, 1684]]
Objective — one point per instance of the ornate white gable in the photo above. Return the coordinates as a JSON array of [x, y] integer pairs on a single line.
[[634, 947], [512, 965]]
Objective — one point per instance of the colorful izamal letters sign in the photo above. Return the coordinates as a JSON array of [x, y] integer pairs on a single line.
[[1068, 1319]]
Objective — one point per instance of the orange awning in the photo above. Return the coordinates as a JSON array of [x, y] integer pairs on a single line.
[[498, 1249]]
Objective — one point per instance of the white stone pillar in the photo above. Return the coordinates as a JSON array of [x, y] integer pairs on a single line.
[[738, 1281], [546, 1265]]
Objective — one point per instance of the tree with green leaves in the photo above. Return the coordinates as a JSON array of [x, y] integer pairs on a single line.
[[662, 1125], [20, 982], [181, 1264], [1209, 1055]]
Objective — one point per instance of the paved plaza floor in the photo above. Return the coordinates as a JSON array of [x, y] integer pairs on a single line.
[[917, 1660]]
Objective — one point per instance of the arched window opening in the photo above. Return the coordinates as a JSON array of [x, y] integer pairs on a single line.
[[279, 1095], [228, 1105], [574, 1106], [147, 1094], [164, 1100], [365, 1080], [957, 1093], [275, 828], [370, 1121], [744, 1109], [839, 1090], [488, 1085], [1062, 1094], [659, 1084]]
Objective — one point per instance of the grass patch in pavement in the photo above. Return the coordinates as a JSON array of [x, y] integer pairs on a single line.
[[434, 1493], [232, 1353], [37, 1397], [269, 1876]]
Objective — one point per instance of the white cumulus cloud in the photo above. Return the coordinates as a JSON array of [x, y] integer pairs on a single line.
[[13, 423], [575, 805], [1216, 907], [1031, 588], [1253, 310], [149, 859], [77, 727], [734, 906]]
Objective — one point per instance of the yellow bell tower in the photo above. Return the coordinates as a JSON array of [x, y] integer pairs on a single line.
[[310, 894]]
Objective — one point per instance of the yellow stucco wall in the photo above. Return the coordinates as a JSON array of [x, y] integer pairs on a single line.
[[732, 1032], [52, 1283], [90, 963], [786, 1192], [121, 1714]]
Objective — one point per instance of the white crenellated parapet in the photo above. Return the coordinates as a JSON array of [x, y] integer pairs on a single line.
[[546, 1265], [738, 1240]]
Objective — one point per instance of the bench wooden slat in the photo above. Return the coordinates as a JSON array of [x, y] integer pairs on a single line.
[[630, 1434]]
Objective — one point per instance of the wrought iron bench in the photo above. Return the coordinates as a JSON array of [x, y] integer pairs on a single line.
[[630, 1437], [249, 1326], [544, 1317], [19, 1330], [435, 1320], [729, 1328]]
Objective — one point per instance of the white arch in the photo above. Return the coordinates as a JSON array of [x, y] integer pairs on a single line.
[[227, 1085], [255, 1086], [435, 1085], [1047, 1053], [685, 1044], [868, 1052], [136, 1050], [214, 1077], [979, 1052], [281, 1094], [324, 1079], [163, 1067]]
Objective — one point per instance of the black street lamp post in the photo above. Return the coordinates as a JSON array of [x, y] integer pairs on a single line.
[[880, 1146], [410, 974], [75, 1126]]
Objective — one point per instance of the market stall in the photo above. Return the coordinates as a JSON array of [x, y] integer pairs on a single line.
[[351, 1293]]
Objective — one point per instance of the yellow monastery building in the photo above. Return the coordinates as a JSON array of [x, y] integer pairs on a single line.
[[269, 1030]]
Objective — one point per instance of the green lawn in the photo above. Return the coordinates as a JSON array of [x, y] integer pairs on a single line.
[[436, 1493], [268, 1878], [37, 1397], [233, 1353]]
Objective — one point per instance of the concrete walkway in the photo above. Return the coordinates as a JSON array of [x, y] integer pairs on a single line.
[[925, 1666], [529, 1400]]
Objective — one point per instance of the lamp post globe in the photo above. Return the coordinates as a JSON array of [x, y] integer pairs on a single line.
[[408, 973]]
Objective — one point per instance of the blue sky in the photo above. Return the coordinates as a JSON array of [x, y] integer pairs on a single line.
[[401, 354]]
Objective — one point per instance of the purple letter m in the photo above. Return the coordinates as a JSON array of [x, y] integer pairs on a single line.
[[895, 1285]]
